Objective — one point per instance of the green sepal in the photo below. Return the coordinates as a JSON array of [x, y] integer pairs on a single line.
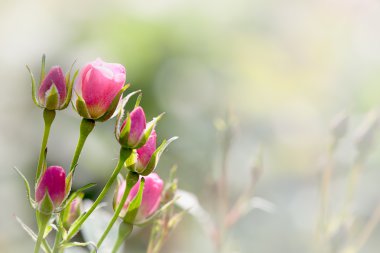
[[32, 203], [134, 206], [34, 95], [68, 184], [42, 74], [123, 137], [69, 86], [111, 109], [131, 179], [120, 113], [125, 229], [46, 206], [27, 229], [81, 108], [31, 233], [78, 244], [148, 130], [138, 100], [131, 159], [156, 157], [41, 171], [48, 229], [52, 98]]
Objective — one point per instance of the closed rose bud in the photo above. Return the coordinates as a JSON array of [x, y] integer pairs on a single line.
[[151, 197], [72, 211], [52, 91], [135, 131], [99, 89], [145, 152], [53, 183], [138, 125]]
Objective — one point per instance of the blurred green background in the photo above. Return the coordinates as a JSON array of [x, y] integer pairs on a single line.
[[284, 68]]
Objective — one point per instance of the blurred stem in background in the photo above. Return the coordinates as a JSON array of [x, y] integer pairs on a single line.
[[338, 130], [169, 219], [326, 230], [223, 185], [229, 215]]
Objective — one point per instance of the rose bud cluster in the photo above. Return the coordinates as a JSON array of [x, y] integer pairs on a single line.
[[51, 189], [98, 96], [141, 137], [99, 89], [151, 196]]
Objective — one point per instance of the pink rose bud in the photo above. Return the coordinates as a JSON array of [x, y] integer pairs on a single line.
[[52, 91], [72, 211], [150, 199], [53, 183], [145, 152], [137, 127], [99, 89]]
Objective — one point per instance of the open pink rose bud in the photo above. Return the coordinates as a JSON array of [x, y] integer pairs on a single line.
[[53, 184], [150, 199], [99, 89], [72, 211]]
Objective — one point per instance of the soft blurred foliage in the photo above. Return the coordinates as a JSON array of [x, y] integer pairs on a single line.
[[283, 68]]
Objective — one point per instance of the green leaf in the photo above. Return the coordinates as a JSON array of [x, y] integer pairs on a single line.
[[134, 206], [31, 201], [156, 156], [111, 109], [52, 98], [34, 96]]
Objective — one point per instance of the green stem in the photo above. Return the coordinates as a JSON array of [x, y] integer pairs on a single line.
[[43, 220], [49, 116], [131, 180], [125, 229], [58, 237], [46, 246], [124, 154], [86, 126]]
